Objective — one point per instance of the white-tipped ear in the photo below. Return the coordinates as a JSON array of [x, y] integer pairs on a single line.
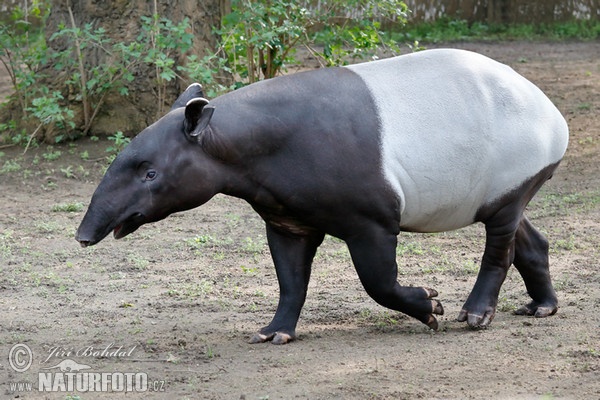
[[193, 91], [197, 116]]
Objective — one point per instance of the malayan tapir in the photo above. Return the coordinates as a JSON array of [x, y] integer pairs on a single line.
[[426, 142]]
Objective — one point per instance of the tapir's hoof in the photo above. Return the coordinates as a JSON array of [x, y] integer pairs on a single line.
[[258, 338], [436, 309], [537, 310], [475, 320], [432, 323], [282, 338], [275, 338]]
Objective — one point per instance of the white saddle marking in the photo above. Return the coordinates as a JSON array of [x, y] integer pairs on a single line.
[[458, 130]]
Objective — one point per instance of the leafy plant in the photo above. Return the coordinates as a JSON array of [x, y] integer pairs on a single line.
[[119, 140], [212, 70], [23, 49], [361, 39], [162, 40], [51, 154], [23, 53], [94, 81], [48, 111], [260, 37]]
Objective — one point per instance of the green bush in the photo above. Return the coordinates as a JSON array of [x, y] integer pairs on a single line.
[[259, 38]]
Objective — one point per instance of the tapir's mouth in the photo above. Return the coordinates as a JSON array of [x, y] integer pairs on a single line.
[[86, 237], [129, 225]]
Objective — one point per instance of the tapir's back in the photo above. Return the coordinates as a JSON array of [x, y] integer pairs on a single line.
[[458, 130]]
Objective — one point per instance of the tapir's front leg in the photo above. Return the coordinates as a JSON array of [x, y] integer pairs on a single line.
[[374, 255], [292, 255]]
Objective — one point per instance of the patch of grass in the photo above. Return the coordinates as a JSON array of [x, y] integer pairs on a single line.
[[332, 249], [382, 320], [440, 267], [249, 270], [564, 283], [10, 166], [48, 227], [54, 280], [556, 204], [470, 267], [448, 29], [253, 246], [584, 106], [68, 207], [138, 262], [191, 290], [568, 244], [200, 242], [6, 243], [209, 352], [33, 278], [51, 154], [507, 305], [233, 221], [588, 140], [406, 248]]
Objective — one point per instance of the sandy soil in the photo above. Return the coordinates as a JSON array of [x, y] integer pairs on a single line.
[[180, 298]]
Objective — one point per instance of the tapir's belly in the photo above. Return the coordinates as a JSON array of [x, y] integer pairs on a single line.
[[457, 131]]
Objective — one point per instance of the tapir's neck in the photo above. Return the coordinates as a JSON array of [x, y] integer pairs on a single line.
[[239, 183]]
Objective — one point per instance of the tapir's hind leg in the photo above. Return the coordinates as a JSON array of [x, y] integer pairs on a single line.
[[531, 260], [374, 257], [292, 256], [480, 307], [510, 237], [528, 250]]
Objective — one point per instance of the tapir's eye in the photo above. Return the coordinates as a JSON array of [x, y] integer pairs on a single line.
[[150, 175]]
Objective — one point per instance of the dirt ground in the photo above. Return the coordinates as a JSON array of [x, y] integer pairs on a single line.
[[177, 300]]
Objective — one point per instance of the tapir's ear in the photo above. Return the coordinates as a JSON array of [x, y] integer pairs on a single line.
[[197, 116], [193, 91]]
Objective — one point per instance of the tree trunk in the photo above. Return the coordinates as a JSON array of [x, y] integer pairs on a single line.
[[122, 20]]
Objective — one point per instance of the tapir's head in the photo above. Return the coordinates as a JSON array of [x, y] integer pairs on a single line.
[[163, 170]]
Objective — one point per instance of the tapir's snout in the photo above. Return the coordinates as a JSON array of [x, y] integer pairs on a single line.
[[93, 229], [86, 236]]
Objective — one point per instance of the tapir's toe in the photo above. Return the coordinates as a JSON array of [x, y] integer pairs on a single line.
[[258, 338], [274, 338], [477, 320], [282, 338], [436, 308], [432, 322], [537, 310], [543, 312], [430, 293]]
